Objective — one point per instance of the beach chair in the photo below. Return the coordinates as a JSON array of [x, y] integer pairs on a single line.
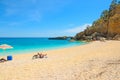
[[2, 60]]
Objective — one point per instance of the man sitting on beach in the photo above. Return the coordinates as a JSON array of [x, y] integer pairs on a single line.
[[42, 55], [39, 55]]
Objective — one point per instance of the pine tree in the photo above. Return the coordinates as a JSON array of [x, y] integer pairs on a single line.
[[113, 4]]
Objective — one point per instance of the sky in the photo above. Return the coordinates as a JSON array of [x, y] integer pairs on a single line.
[[48, 18]]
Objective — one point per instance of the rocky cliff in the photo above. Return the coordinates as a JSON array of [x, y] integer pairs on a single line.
[[107, 26]]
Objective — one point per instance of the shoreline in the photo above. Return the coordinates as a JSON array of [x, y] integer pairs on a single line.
[[52, 51], [94, 61], [44, 50]]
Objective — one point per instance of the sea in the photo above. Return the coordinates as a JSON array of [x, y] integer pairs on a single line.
[[33, 45]]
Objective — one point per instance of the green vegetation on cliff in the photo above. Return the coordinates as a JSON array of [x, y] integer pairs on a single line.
[[107, 26]]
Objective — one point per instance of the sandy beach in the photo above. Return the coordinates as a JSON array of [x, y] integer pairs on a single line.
[[93, 61]]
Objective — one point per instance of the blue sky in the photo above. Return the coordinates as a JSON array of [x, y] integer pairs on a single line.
[[44, 18]]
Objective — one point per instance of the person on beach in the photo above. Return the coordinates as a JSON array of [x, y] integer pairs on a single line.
[[42, 55], [36, 56], [39, 55], [2, 60]]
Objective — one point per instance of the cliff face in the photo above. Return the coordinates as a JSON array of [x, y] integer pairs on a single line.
[[114, 21], [107, 26]]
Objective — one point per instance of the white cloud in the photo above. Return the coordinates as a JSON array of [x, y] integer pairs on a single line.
[[77, 29]]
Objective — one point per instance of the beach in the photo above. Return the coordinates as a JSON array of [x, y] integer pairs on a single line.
[[93, 61]]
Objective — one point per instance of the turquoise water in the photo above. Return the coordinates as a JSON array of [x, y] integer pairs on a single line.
[[26, 45]]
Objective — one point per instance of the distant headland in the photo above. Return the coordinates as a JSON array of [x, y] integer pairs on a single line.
[[61, 38]]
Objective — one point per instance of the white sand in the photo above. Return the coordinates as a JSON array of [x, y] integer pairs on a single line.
[[93, 61]]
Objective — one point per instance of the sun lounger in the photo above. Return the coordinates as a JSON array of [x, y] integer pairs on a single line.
[[2, 60]]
